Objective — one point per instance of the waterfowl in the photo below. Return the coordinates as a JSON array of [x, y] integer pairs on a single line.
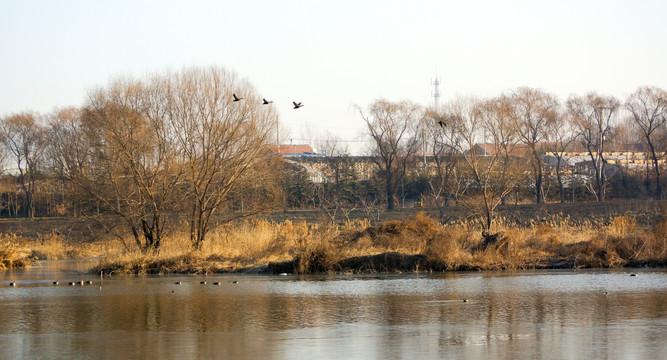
[[72, 283], [203, 282], [178, 283], [605, 293], [216, 283], [89, 282], [465, 300], [236, 98], [633, 274], [55, 283], [12, 284], [81, 282], [235, 282], [266, 102], [297, 105]]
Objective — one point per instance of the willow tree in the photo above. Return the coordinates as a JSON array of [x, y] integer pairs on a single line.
[[561, 135], [441, 141], [121, 152], [393, 127], [533, 112], [494, 170], [23, 136], [68, 153], [648, 106], [592, 116], [172, 144], [222, 143]]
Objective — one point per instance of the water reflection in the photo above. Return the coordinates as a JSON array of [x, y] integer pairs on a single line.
[[519, 315]]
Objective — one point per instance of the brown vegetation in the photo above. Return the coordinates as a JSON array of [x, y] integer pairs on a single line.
[[11, 255], [400, 245], [418, 244]]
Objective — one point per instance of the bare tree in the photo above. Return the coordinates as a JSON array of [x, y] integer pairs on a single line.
[[592, 115], [370, 203], [533, 112], [493, 171], [441, 141], [337, 158], [561, 133], [222, 142], [648, 106], [67, 152], [24, 137], [392, 126], [170, 142], [339, 192], [122, 152]]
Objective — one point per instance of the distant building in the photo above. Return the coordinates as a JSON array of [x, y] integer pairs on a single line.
[[576, 158], [487, 149], [296, 154], [295, 150]]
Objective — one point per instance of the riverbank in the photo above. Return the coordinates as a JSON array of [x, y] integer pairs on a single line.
[[419, 243]]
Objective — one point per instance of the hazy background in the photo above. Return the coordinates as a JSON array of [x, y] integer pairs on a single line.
[[333, 55]]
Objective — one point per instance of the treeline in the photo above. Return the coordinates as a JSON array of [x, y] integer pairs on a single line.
[[481, 153], [178, 150], [148, 153]]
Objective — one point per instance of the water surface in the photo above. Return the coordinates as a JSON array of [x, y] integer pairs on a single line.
[[534, 314]]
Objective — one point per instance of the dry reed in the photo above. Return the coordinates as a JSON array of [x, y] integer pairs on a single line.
[[11, 254], [417, 244]]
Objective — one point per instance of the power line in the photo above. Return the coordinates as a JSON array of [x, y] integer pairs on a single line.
[[320, 126], [337, 140]]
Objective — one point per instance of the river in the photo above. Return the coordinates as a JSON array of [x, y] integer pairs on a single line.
[[573, 314]]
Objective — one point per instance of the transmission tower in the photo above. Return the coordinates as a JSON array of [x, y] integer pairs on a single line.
[[436, 107], [436, 94]]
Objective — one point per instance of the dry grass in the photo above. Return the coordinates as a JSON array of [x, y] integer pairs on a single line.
[[54, 246], [417, 244], [13, 256], [247, 244], [545, 243]]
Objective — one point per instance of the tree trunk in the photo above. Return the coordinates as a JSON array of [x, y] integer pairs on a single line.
[[538, 188], [559, 177], [538, 176], [390, 190], [656, 166]]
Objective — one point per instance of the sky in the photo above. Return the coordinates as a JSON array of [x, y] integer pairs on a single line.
[[333, 56]]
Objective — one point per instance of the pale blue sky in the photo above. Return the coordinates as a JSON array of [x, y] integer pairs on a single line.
[[332, 55]]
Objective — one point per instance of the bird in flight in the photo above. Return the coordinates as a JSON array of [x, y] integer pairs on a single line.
[[441, 123], [236, 98], [266, 102], [297, 105]]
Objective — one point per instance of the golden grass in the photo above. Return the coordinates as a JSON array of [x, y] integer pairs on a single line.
[[417, 244], [547, 243], [11, 254]]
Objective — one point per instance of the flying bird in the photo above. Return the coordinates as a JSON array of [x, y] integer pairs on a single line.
[[266, 102], [236, 98], [441, 123], [297, 105]]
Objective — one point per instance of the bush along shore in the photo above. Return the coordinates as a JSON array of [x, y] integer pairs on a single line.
[[412, 245]]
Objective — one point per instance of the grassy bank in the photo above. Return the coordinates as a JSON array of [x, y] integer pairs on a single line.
[[416, 243], [421, 244]]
